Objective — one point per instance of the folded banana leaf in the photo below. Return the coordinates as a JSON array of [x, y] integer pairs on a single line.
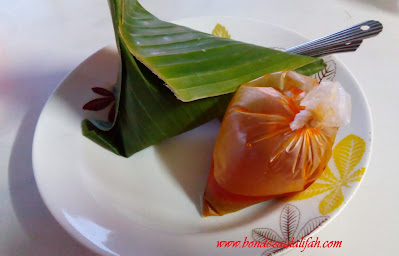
[[194, 66], [197, 65]]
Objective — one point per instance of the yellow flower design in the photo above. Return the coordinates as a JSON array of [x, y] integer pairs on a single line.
[[347, 154], [220, 31]]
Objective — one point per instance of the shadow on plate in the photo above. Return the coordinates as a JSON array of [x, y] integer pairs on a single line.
[[46, 236], [187, 158]]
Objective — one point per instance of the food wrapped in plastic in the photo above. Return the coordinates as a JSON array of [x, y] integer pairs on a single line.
[[275, 139]]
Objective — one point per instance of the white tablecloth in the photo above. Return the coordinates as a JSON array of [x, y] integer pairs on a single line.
[[42, 41]]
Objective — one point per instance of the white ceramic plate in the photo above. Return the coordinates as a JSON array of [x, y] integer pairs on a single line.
[[148, 204]]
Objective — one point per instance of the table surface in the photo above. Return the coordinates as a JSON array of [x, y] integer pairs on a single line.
[[42, 41]]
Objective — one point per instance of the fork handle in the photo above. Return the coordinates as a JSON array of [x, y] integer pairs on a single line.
[[346, 40]]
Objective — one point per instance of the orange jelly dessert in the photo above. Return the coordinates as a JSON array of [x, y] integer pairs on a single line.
[[275, 139]]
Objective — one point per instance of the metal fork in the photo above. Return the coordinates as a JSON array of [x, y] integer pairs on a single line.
[[347, 40]]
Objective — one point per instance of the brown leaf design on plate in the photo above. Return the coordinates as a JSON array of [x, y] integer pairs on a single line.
[[98, 104], [102, 103], [328, 73], [289, 221], [311, 225], [271, 250], [103, 92], [261, 234]]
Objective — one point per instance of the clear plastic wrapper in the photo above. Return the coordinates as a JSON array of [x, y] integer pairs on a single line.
[[276, 139]]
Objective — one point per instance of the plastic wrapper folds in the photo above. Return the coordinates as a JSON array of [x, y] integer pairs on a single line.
[[276, 139]]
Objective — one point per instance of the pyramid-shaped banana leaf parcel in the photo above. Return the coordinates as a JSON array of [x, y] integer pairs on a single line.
[[174, 78]]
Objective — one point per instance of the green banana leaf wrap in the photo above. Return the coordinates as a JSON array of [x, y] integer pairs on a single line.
[[173, 78]]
